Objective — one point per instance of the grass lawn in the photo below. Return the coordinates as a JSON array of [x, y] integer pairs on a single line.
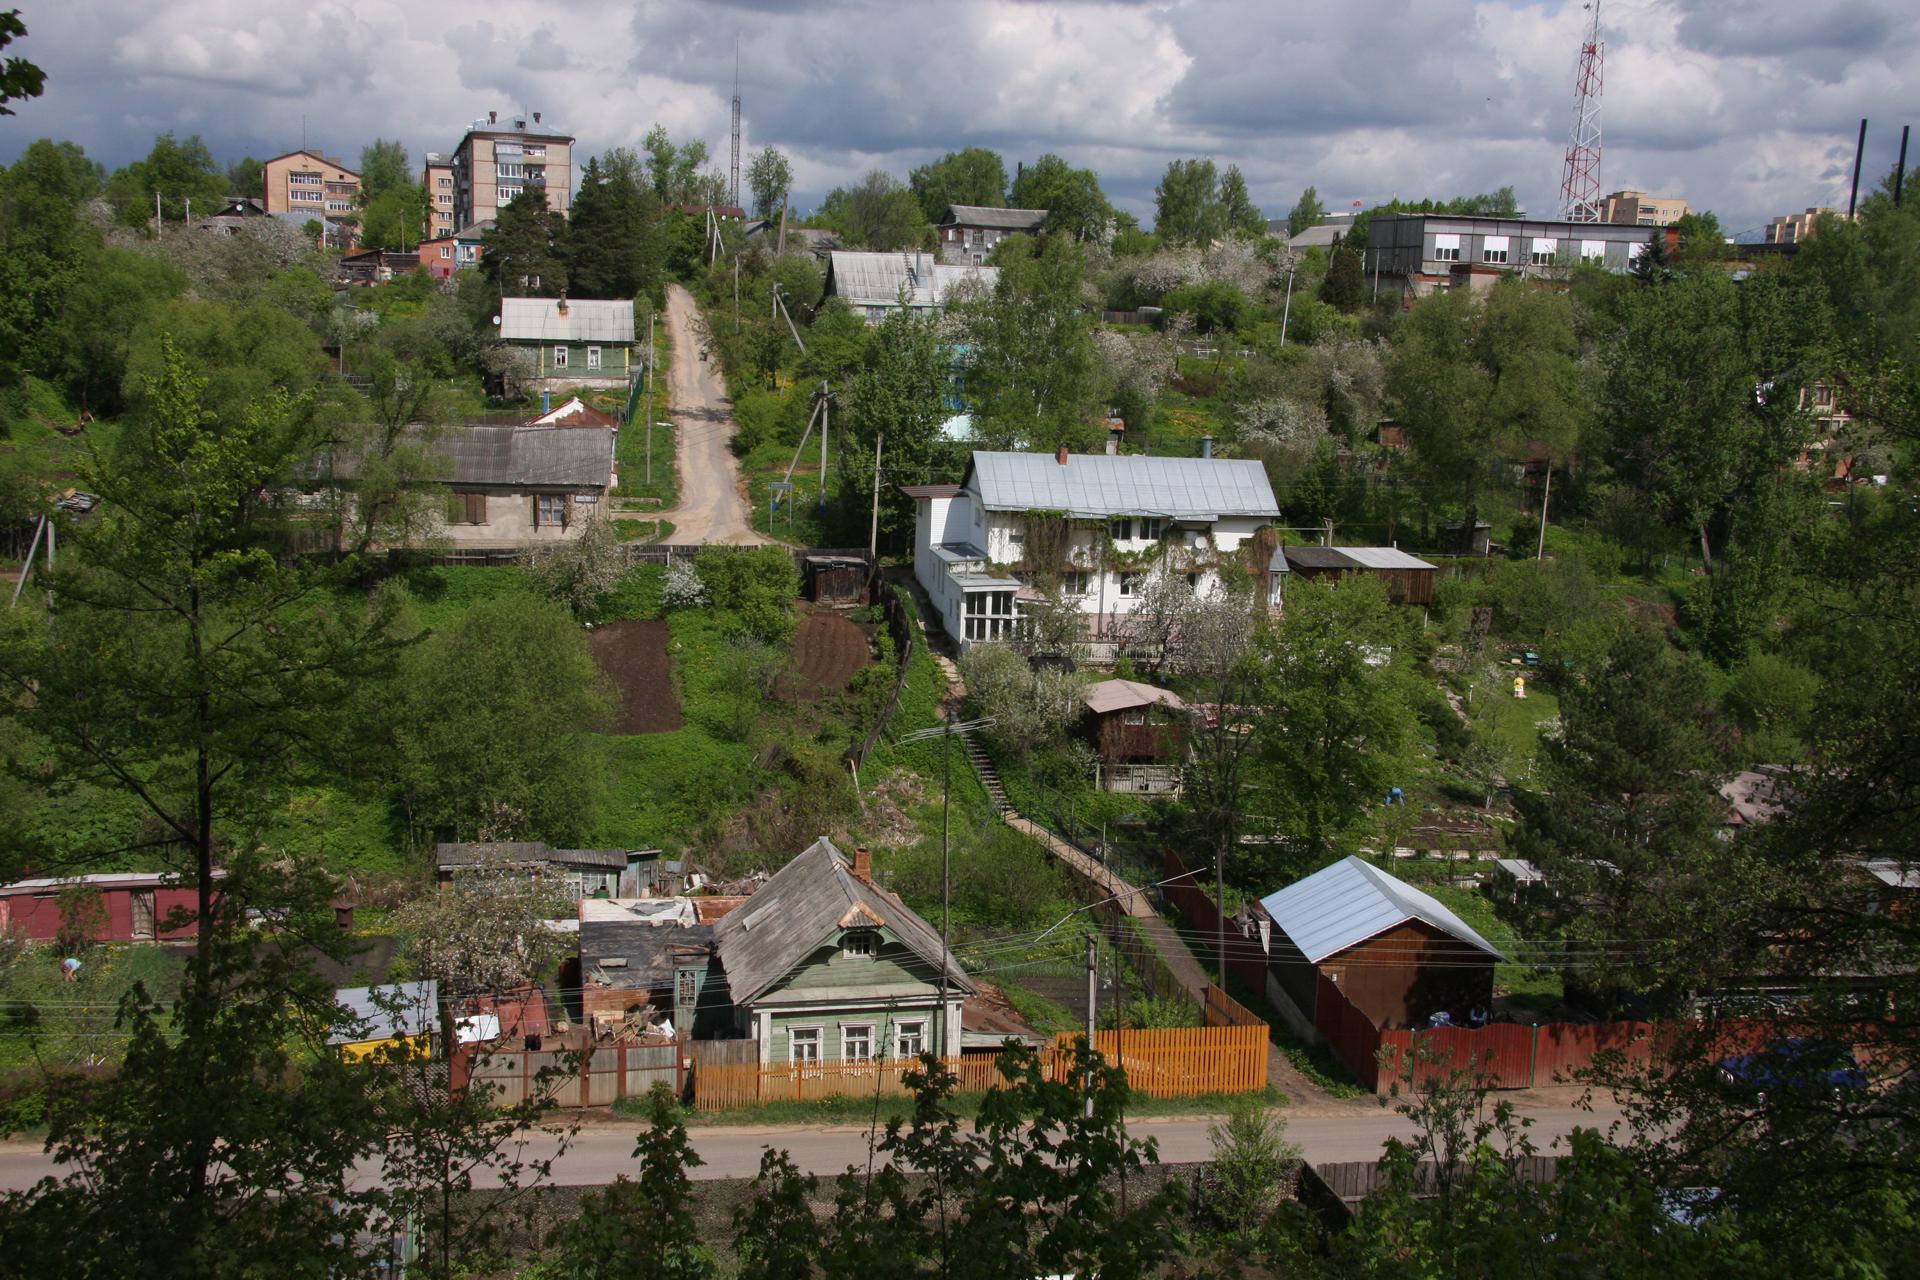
[[1514, 722], [802, 523], [44, 1019], [32, 440], [663, 492]]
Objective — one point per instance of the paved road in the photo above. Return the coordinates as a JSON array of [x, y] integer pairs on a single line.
[[602, 1151], [711, 506]]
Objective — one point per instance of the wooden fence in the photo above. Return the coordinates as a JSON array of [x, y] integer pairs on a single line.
[[1183, 1062], [1222, 1010], [589, 1078]]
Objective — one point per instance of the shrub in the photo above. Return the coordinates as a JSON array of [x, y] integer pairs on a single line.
[[683, 588], [756, 587], [578, 571]]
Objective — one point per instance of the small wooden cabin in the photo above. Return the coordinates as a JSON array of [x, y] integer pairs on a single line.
[[1408, 579], [838, 580], [1140, 734]]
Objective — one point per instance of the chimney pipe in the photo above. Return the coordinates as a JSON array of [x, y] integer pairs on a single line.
[[536, 117], [863, 865], [1061, 457], [1206, 446], [493, 117]]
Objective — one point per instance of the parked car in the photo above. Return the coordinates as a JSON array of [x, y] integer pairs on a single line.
[[1795, 1066]]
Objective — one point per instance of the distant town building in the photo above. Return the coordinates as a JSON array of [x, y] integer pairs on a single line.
[[1637, 208], [1423, 252], [1792, 228], [968, 233], [308, 183], [437, 178], [497, 160]]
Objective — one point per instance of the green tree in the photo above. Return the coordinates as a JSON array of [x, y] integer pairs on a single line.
[[246, 177], [396, 218], [1306, 212], [1215, 306], [1335, 679], [770, 178], [1030, 368], [526, 250], [1253, 1165], [243, 354], [1188, 209], [178, 171], [1345, 284], [1076, 206], [1242, 215], [495, 740], [878, 212], [775, 1232], [19, 79], [616, 239], [898, 397], [975, 176], [580, 571], [756, 588], [641, 1228], [675, 172], [384, 167], [1701, 241]]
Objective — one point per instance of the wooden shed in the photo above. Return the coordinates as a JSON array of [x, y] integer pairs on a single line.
[[1397, 954], [1139, 732], [836, 579], [1408, 579], [137, 906]]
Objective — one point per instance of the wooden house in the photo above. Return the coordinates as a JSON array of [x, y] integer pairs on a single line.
[[1140, 734], [1395, 953], [612, 873], [572, 341], [137, 906], [1408, 579]]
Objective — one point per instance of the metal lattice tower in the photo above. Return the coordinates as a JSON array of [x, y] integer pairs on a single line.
[[1580, 179], [733, 190]]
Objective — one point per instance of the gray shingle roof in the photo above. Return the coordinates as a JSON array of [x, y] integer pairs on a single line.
[[585, 320], [473, 853], [650, 951], [876, 279], [1099, 484], [556, 457], [973, 215], [1351, 901], [799, 909]]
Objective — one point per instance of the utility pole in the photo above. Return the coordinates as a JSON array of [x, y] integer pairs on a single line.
[[156, 215], [652, 356], [946, 868], [1286, 312], [1540, 551], [825, 411], [1093, 995], [873, 535]]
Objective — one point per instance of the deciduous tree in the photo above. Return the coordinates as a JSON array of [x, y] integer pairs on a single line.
[[975, 176], [770, 178]]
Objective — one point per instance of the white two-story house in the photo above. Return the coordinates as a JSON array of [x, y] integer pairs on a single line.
[[1100, 524]]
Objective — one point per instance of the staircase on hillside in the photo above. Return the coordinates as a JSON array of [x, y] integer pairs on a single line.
[[989, 776]]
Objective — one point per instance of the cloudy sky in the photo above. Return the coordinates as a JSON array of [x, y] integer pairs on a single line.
[[1747, 109]]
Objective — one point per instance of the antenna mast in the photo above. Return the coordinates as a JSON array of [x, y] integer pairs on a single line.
[[733, 196], [1580, 179]]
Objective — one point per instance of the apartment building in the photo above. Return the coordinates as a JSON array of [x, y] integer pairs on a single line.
[[1419, 253], [437, 179], [1792, 228], [309, 183], [498, 159], [1638, 209]]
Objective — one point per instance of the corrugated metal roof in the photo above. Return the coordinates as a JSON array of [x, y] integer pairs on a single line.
[[105, 880], [1351, 901], [1384, 558], [585, 320], [1098, 484], [1118, 695], [448, 854], [974, 215], [877, 279], [799, 909], [381, 1013], [570, 458]]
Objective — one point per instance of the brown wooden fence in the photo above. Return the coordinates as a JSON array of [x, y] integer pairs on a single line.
[[592, 1078], [1182, 1062]]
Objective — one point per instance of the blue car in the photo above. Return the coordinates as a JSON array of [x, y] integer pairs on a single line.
[[1795, 1066]]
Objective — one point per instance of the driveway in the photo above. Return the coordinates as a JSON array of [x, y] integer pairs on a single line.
[[712, 508]]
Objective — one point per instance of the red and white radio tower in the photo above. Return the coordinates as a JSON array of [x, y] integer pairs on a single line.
[[1580, 180]]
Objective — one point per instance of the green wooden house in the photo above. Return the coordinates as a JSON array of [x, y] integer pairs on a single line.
[[572, 341], [822, 964]]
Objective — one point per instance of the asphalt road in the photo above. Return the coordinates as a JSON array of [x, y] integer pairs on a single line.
[[602, 1151], [711, 508]]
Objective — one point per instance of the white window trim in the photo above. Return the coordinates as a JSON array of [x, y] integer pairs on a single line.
[[559, 357], [900, 1037], [819, 1043], [848, 1027], [593, 357]]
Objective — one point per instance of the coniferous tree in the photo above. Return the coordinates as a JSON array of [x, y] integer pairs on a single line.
[[526, 251]]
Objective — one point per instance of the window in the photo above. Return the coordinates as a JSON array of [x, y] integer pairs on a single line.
[[1136, 715], [1446, 248], [550, 510], [1493, 249], [1073, 583], [511, 171], [1120, 529], [1544, 251], [979, 259], [858, 942], [507, 195], [303, 179], [470, 508], [1129, 584], [686, 988], [1593, 250], [876, 313], [989, 614], [559, 357], [1634, 251], [1193, 582], [537, 150], [803, 1044], [593, 357], [977, 237], [143, 913], [856, 1042], [1150, 530], [910, 1038], [446, 182]]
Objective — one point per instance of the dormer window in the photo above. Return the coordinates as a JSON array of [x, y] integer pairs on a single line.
[[862, 943]]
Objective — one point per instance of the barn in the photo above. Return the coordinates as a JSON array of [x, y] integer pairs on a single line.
[[1408, 579], [137, 905], [1396, 954]]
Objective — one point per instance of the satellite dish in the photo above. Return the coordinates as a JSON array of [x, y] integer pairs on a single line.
[[496, 319]]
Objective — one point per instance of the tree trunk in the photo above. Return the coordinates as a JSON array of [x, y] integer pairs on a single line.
[[1706, 553]]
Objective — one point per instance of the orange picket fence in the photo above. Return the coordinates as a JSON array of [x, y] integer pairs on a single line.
[[1182, 1062]]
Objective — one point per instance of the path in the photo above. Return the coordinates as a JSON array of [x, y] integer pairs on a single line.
[[711, 508], [602, 1151]]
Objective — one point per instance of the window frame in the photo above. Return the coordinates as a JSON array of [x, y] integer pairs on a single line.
[[1120, 528], [901, 1036], [1130, 584], [818, 1042], [849, 1032], [541, 503], [560, 356], [593, 357], [859, 944]]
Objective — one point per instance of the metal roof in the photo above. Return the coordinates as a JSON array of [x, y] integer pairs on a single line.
[[1118, 695], [1383, 558], [804, 905], [877, 279], [1351, 901], [974, 215], [449, 855], [106, 880], [1098, 484], [570, 458], [584, 320], [381, 1013]]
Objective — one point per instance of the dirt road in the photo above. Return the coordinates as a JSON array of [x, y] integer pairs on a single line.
[[711, 506]]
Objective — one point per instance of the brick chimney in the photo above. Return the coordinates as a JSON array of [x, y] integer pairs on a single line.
[[863, 865], [1061, 457], [536, 117], [493, 117], [560, 304]]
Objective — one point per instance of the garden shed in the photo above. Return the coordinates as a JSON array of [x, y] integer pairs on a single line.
[[1408, 579], [838, 580], [1139, 731]]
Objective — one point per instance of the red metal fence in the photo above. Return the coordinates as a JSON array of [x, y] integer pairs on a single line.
[[1183, 890]]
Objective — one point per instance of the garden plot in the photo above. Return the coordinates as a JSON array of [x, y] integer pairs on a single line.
[[827, 650], [634, 656]]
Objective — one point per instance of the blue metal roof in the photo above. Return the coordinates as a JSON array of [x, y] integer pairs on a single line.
[[1098, 484], [1351, 901]]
